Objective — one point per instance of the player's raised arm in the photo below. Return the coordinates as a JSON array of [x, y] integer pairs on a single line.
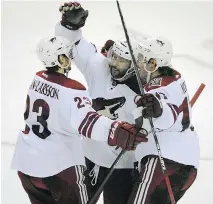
[[73, 18]]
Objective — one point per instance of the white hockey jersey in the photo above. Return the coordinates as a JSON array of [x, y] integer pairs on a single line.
[[119, 98], [178, 145], [177, 138], [58, 112]]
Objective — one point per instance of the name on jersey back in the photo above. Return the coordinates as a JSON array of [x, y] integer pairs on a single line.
[[44, 89]]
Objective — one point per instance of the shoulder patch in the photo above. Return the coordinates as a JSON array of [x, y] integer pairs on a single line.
[[161, 81], [155, 82]]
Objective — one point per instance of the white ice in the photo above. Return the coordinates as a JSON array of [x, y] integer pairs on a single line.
[[189, 25]]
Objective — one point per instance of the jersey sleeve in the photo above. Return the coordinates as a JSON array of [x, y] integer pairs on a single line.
[[82, 49], [92, 64], [85, 120], [170, 95]]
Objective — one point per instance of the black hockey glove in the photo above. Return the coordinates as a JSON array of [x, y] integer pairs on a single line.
[[73, 15], [151, 105], [126, 136]]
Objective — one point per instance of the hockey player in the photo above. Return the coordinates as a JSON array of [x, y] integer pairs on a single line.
[[113, 87], [166, 100], [48, 155]]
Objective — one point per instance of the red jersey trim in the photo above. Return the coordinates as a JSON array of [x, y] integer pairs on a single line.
[[87, 124], [61, 79], [158, 82]]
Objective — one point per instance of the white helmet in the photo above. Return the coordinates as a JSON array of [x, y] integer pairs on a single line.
[[121, 49], [158, 48], [49, 49]]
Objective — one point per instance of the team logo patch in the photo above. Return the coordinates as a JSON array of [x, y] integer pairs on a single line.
[[161, 43], [108, 107], [53, 39], [155, 82]]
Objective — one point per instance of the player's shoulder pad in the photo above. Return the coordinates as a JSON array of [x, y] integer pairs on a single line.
[[161, 82], [61, 79]]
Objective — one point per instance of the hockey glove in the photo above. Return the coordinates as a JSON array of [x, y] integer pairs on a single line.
[[107, 46], [126, 136], [73, 15], [151, 105]]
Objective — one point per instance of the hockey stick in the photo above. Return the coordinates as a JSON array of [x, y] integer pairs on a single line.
[[162, 163], [100, 189], [197, 94]]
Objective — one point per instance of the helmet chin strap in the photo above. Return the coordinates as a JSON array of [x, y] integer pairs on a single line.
[[67, 65], [149, 73], [128, 74], [66, 68], [67, 71]]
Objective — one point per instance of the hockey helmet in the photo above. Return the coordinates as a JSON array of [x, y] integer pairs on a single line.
[[49, 49]]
